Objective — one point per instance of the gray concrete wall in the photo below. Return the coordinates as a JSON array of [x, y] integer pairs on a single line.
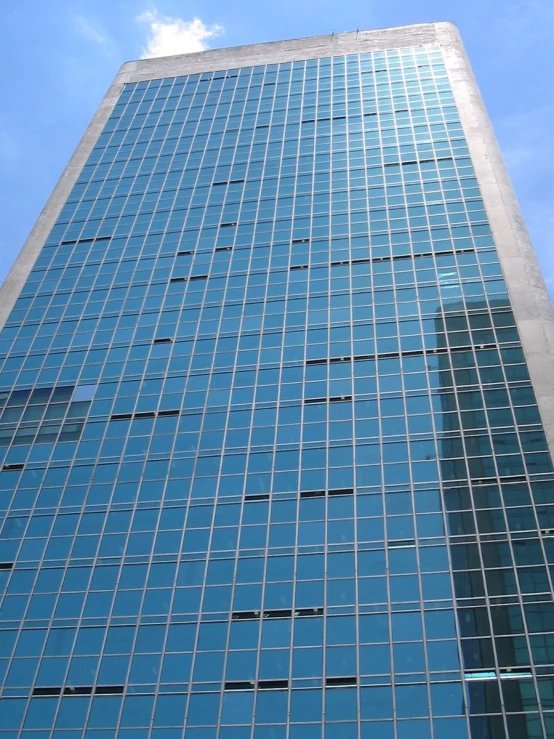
[[314, 47]]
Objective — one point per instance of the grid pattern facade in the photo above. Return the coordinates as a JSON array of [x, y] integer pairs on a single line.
[[272, 464]]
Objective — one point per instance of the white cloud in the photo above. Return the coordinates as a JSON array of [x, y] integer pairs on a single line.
[[168, 36], [92, 31]]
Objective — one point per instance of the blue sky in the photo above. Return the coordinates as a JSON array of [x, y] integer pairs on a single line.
[[59, 57]]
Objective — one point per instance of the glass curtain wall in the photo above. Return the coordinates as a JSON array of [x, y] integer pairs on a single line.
[[272, 465]]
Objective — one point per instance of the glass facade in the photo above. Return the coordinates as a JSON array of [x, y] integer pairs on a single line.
[[272, 464]]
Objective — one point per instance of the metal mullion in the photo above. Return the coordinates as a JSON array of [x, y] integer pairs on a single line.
[[236, 145], [366, 184], [462, 435], [301, 86], [263, 171], [265, 555], [146, 113], [192, 136], [526, 635], [293, 608], [254, 218], [21, 626], [122, 174], [389, 611], [236, 558], [110, 614], [201, 162], [48, 629], [425, 205], [188, 690], [352, 381]]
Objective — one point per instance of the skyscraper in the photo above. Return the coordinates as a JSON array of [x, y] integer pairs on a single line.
[[277, 411]]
